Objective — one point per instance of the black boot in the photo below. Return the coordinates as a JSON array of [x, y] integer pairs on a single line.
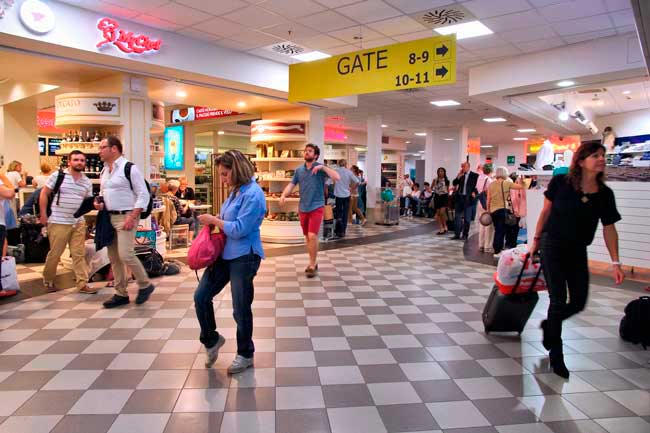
[[557, 363], [546, 341]]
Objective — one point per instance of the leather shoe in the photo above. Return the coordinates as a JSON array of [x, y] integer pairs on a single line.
[[143, 294], [116, 301]]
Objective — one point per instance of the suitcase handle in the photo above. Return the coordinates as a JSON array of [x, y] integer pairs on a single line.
[[521, 274]]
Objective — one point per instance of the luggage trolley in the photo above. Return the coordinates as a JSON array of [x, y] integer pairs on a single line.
[[390, 211]]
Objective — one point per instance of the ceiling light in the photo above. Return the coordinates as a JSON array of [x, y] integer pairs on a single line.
[[445, 103], [420, 151], [527, 130], [486, 146], [466, 30], [493, 119], [310, 56], [520, 138], [220, 132], [563, 116], [384, 126], [181, 93], [421, 134], [241, 104], [626, 92], [600, 103], [407, 142], [566, 83], [448, 139]]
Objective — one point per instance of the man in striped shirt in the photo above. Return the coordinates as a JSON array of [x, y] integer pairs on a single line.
[[63, 229]]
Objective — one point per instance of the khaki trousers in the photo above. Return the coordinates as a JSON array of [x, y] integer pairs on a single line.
[[121, 254], [354, 209], [60, 236]]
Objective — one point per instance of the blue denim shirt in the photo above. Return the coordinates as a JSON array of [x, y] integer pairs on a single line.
[[243, 215]]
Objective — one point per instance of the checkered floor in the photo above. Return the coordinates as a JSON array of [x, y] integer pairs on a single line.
[[387, 339]]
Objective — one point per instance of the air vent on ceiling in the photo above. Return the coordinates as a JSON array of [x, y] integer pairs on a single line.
[[592, 91], [444, 16], [464, 109], [401, 130], [286, 48], [511, 125]]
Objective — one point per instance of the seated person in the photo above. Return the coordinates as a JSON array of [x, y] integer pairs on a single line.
[[172, 187], [413, 199], [424, 208], [186, 193], [31, 206]]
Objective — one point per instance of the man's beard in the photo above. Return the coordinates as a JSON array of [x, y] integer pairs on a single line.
[[312, 159], [78, 170]]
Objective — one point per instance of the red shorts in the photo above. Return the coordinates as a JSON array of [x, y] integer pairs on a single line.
[[310, 221]]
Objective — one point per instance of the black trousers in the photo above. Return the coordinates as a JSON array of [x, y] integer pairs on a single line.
[[566, 271], [341, 215]]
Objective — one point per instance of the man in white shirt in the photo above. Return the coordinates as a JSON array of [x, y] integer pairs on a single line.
[[63, 229], [124, 203]]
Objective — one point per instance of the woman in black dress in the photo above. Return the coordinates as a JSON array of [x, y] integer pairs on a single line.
[[573, 206], [440, 187]]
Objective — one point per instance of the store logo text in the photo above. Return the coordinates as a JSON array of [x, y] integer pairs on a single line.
[[124, 40]]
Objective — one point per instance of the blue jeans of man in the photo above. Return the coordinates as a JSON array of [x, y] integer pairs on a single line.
[[240, 272], [465, 214]]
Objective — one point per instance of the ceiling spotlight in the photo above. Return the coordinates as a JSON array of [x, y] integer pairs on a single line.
[[421, 134], [407, 142], [566, 83], [181, 93], [384, 126], [493, 119], [520, 138], [563, 116], [311, 56], [448, 139], [486, 146], [420, 151], [241, 104], [220, 132], [465, 30], [527, 130], [626, 92], [445, 103]]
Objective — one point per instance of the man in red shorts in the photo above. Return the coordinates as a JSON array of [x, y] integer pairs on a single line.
[[311, 178]]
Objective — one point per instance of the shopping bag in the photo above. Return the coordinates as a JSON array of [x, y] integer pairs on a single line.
[[516, 272], [206, 248], [9, 275]]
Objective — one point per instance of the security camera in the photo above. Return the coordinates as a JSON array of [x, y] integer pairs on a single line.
[[592, 128]]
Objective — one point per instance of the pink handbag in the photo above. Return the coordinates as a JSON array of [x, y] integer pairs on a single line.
[[206, 248]]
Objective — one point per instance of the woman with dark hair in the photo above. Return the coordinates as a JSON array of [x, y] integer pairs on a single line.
[[441, 199], [573, 205], [240, 219]]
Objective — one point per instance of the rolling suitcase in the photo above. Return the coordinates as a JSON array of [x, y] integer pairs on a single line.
[[509, 313]]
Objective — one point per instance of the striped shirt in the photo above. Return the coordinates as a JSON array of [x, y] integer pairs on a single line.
[[72, 194]]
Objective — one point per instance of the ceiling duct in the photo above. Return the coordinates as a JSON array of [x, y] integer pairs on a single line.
[[444, 16], [287, 48]]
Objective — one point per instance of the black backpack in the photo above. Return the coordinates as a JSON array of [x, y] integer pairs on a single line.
[[151, 259], [635, 325], [56, 191], [127, 172]]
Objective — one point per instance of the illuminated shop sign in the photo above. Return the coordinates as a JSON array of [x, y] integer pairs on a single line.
[[190, 114], [124, 40], [560, 144]]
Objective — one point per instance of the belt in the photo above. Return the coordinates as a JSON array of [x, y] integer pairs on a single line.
[[119, 212]]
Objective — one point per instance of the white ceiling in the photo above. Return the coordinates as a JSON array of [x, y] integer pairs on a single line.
[[520, 26]]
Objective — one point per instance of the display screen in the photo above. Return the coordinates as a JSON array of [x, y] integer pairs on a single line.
[[174, 147], [53, 144], [42, 142]]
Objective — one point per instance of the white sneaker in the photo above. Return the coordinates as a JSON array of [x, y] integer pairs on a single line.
[[240, 364], [496, 256], [213, 353]]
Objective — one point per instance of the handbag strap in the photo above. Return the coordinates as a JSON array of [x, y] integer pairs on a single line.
[[506, 202]]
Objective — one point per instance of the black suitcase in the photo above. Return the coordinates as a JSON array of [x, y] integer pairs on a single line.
[[509, 313], [36, 245]]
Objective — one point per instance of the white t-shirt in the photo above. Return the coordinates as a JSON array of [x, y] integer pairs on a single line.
[[41, 180], [2, 212], [72, 194], [14, 177]]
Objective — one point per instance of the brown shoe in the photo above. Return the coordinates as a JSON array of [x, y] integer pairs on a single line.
[[50, 287], [312, 272], [88, 290]]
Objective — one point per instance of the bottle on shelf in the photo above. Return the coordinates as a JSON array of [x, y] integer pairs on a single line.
[[96, 138]]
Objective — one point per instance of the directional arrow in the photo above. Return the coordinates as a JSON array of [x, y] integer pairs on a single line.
[[441, 51], [441, 72]]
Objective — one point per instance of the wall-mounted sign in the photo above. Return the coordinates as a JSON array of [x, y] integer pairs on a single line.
[[100, 106], [421, 63], [273, 130], [46, 123], [53, 144], [560, 144], [42, 146], [333, 134], [174, 147], [158, 112], [37, 16], [124, 40], [474, 146], [190, 114], [510, 159]]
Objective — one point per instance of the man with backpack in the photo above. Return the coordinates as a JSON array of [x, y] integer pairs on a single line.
[[125, 196], [60, 198]]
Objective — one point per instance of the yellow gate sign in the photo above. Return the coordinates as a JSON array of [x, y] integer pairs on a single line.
[[421, 63]]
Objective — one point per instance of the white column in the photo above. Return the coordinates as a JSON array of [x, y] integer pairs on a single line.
[[373, 162], [429, 163], [316, 129], [449, 153], [19, 135]]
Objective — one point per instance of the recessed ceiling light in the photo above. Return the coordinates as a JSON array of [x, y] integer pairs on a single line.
[[445, 103], [448, 139], [527, 130], [466, 30], [407, 142], [311, 56], [241, 104], [220, 132], [520, 138], [566, 83], [486, 146], [493, 119], [626, 92], [384, 126], [421, 134], [563, 116], [181, 93], [420, 151]]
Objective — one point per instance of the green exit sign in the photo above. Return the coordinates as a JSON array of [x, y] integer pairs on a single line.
[[511, 160]]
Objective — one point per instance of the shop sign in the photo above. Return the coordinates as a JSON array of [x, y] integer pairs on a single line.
[[45, 121], [560, 144], [265, 130], [5, 5], [190, 114], [98, 106], [37, 16], [422, 63], [474, 146], [334, 134], [335, 153], [124, 40]]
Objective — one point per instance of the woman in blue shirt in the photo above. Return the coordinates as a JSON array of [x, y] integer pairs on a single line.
[[241, 216]]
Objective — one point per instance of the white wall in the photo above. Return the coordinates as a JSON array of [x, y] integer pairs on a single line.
[[19, 134], [625, 124], [504, 150]]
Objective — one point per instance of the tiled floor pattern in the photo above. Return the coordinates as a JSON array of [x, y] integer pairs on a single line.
[[387, 339]]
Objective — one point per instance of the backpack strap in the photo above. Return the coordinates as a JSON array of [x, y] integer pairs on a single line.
[[127, 172], [56, 191]]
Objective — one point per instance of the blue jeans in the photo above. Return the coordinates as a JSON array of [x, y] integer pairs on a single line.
[[240, 272], [465, 214]]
